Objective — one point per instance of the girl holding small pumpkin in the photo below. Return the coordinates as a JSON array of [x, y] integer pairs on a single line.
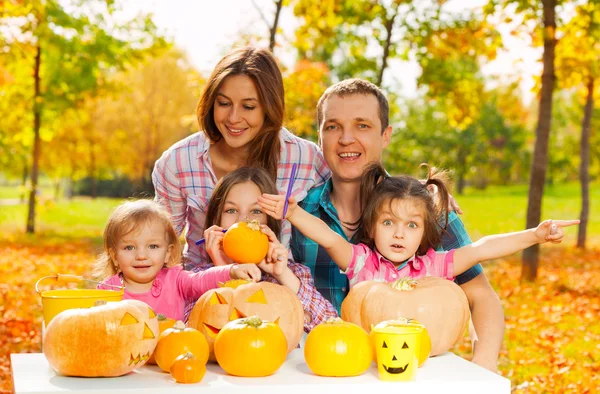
[[402, 230], [142, 253], [235, 199]]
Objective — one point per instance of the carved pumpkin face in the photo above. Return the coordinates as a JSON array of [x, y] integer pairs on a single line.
[[105, 340], [269, 301], [397, 351]]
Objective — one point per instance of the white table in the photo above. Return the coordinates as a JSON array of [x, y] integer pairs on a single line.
[[447, 373]]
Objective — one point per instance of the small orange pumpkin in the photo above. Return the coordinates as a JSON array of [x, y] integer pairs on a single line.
[[163, 323], [239, 298], [244, 243], [338, 348], [439, 304], [187, 369], [250, 347], [179, 340]]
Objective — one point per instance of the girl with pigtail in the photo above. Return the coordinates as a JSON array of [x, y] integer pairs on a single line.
[[402, 221]]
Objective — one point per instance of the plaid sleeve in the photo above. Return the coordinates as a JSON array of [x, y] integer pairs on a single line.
[[316, 308], [168, 192], [456, 237]]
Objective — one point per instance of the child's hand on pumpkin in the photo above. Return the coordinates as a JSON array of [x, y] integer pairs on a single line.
[[245, 271], [551, 230], [273, 205], [214, 245], [275, 262]]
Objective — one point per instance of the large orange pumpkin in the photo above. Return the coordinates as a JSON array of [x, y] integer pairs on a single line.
[[104, 340], [338, 348], [439, 304], [250, 347], [244, 243], [238, 299]]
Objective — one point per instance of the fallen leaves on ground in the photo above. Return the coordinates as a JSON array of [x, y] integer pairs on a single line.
[[551, 342]]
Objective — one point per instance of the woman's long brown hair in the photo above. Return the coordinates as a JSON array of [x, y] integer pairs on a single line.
[[262, 68]]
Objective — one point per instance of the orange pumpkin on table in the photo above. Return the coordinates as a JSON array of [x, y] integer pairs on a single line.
[[239, 298], [179, 340], [250, 347], [187, 369], [163, 323], [439, 304], [109, 339], [244, 243]]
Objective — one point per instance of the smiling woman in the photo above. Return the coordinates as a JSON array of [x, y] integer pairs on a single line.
[[241, 113]]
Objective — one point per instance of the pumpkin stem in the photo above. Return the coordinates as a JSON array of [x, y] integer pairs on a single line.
[[404, 284], [100, 303], [253, 321], [179, 325], [334, 320], [254, 224], [186, 356], [161, 317]]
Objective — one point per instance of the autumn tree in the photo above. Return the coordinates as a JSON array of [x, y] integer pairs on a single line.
[[578, 66], [70, 45]]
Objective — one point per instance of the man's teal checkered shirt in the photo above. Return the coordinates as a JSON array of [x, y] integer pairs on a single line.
[[329, 281]]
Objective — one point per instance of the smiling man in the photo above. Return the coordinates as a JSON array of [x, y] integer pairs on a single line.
[[353, 118]]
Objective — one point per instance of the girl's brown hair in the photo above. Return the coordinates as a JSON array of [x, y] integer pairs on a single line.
[[261, 67], [378, 188], [259, 176], [129, 217]]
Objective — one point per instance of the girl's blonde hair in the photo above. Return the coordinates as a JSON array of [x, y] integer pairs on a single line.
[[379, 190], [129, 217]]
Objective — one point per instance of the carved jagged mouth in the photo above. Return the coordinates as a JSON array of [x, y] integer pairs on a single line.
[[395, 371], [139, 359]]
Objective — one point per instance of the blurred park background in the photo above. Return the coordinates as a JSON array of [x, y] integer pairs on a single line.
[[502, 93]]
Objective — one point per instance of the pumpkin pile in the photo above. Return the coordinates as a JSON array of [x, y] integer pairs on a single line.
[[439, 304], [238, 299], [108, 339]]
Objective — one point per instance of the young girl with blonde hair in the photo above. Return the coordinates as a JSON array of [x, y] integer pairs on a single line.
[[143, 254]]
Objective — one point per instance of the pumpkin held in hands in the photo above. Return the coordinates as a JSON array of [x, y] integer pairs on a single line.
[[244, 243], [109, 339], [338, 348], [250, 347], [239, 298], [179, 340], [439, 304]]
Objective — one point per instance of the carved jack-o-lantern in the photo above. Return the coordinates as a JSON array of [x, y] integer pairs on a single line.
[[104, 340], [397, 350], [269, 301]]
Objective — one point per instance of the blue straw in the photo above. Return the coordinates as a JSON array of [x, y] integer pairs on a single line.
[[289, 189], [203, 240]]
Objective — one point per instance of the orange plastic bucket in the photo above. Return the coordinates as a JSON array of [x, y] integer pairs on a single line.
[[56, 301]]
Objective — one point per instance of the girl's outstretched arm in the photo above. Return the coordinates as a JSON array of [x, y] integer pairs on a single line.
[[312, 227], [500, 245]]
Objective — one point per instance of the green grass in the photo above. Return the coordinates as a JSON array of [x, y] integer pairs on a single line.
[[503, 209], [16, 191], [494, 210]]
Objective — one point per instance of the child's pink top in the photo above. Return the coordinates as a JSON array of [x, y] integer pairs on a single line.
[[173, 286], [367, 264]]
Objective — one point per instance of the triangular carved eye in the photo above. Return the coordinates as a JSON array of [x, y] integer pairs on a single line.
[[236, 314], [405, 346], [151, 313], [258, 297], [148, 334], [384, 345], [128, 319], [217, 299]]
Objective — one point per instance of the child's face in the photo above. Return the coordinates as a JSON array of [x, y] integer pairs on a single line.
[[142, 253], [398, 233], [241, 204]]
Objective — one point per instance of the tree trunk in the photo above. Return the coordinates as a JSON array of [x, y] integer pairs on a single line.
[[542, 132], [584, 174], [273, 33], [37, 116], [389, 27], [24, 180]]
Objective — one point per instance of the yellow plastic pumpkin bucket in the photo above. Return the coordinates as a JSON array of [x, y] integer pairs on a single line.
[[56, 301]]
